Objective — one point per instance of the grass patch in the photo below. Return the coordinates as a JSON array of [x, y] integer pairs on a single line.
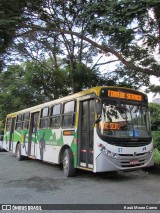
[[156, 154]]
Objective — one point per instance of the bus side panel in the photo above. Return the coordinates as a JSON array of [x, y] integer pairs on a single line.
[[49, 144], [20, 136], [24, 142], [17, 137], [6, 140]]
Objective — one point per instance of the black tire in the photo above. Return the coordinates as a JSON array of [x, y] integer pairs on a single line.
[[18, 153], [68, 163]]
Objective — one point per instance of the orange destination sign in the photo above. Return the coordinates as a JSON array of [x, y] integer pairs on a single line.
[[124, 95], [110, 126]]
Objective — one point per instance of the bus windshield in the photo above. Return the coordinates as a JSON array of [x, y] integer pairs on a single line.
[[123, 120]]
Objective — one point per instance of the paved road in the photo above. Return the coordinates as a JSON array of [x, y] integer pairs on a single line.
[[34, 182]]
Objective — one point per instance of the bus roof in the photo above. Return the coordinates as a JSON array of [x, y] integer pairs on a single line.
[[93, 90]]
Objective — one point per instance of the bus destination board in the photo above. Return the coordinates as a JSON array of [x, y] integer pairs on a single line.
[[122, 94]]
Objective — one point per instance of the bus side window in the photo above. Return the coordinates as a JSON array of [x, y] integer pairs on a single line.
[[8, 124], [56, 116], [19, 122], [25, 119], [44, 120], [68, 117]]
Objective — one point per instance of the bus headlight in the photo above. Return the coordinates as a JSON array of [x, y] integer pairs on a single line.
[[107, 152]]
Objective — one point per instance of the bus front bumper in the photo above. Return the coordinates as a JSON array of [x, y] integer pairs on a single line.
[[105, 163]]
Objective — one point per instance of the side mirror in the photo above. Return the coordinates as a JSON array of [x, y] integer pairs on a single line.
[[99, 108]]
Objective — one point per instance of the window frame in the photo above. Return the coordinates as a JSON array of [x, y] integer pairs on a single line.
[[71, 114], [8, 124], [25, 121], [19, 122], [52, 116], [44, 118]]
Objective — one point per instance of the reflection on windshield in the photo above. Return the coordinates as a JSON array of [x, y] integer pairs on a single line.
[[124, 120]]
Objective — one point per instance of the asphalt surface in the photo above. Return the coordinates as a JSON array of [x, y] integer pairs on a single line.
[[35, 182]]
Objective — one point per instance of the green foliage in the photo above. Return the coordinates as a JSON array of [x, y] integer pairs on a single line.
[[156, 139], [128, 78], [156, 154], [83, 77], [128, 27], [15, 93], [32, 83], [10, 16], [154, 88], [30, 29], [50, 81], [155, 116], [125, 27]]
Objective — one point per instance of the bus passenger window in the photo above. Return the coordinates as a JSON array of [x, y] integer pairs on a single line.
[[68, 117], [19, 122], [55, 116], [25, 119], [8, 124], [44, 121]]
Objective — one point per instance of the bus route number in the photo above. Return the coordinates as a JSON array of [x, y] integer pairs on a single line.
[[120, 149]]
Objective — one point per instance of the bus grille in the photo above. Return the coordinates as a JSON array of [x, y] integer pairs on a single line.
[[129, 143], [131, 161]]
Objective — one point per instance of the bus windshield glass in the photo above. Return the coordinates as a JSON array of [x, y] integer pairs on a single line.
[[123, 120]]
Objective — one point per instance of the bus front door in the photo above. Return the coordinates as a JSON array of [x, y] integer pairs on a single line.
[[32, 141], [85, 133]]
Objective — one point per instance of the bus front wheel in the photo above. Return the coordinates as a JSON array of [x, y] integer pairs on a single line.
[[68, 163]]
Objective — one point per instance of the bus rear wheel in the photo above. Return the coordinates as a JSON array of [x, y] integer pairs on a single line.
[[18, 152], [68, 163]]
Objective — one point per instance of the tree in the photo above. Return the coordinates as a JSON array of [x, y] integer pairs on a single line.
[[155, 116], [112, 22], [155, 89], [127, 78], [85, 77], [125, 29], [52, 82], [15, 94], [32, 83], [131, 28], [10, 19], [73, 51], [155, 123]]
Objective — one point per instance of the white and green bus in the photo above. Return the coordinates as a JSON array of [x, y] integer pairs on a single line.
[[100, 129]]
